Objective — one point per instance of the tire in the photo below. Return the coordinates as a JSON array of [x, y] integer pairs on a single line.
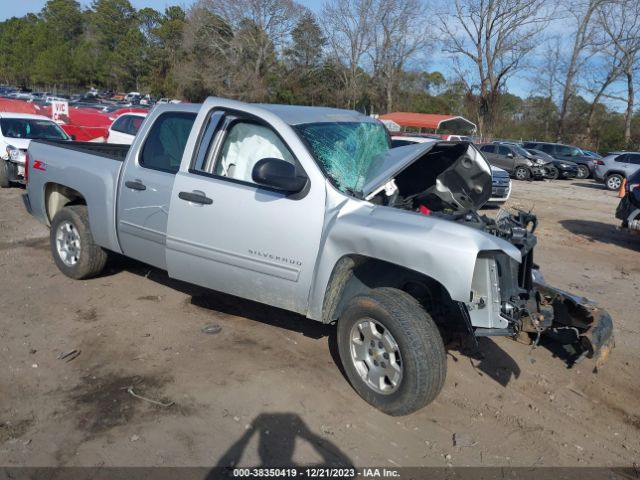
[[583, 172], [412, 343], [553, 173], [4, 174], [613, 182], [522, 173], [72, 245]]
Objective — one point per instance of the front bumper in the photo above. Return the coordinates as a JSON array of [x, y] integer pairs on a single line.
[[539, 171], [577, 321]]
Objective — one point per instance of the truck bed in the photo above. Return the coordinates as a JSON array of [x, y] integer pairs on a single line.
[[108, 150]]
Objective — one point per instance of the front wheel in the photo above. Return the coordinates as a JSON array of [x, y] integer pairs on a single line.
[[553, 173], [4, 174], [72, 245], [392, 351], [522, 173], [583, 172]]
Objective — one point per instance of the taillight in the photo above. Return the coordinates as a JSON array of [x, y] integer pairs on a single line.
[[599, 162], [26, 167]]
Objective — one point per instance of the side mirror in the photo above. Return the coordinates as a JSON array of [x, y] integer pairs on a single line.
[[73, 138], [510, 155], [278, 174]]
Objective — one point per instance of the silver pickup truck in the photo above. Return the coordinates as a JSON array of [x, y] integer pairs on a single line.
[[308, 209]]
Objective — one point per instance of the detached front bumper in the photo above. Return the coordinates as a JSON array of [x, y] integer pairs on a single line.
[[576, 320]]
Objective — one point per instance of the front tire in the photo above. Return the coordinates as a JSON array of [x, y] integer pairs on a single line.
[[72, 245], [522, 173], [4, 174], [553, 173], [583, 172], [392, 351]]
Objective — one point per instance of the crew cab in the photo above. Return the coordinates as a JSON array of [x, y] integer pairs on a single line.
[[309, 209]]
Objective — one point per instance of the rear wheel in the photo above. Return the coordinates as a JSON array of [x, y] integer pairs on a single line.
[[392, 351], [583, 171], [522, 173], [4, 174], [614, 181], [72, 245]]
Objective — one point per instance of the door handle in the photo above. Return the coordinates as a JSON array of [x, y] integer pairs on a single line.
[[195, 198], [135, 185]]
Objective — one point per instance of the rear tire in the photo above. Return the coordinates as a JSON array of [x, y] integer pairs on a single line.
[[522, 173], [583, 172], [391, 351], [72, 245], [613, 182], [4, 174]]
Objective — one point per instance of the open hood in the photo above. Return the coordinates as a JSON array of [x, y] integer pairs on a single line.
[[455, 174]]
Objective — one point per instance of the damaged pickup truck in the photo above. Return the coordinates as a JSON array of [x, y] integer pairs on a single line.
[[308, 209]]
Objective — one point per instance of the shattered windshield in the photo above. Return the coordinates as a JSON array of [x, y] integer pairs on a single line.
[[346, 150]]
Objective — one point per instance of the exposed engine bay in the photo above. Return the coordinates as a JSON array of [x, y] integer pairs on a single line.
[[508, 298]]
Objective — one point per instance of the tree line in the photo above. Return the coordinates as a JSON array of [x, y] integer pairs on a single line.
[[577, 58]]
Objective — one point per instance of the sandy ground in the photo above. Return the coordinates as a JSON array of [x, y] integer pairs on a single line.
[[266, 388]]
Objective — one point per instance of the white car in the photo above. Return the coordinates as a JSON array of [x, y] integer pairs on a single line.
[[16, 132], [501, 184], [124, 128]]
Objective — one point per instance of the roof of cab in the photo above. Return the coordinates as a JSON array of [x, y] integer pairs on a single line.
[[297, 115]]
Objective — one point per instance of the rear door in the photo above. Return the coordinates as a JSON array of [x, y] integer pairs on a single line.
[[634, 164], [146, 184], [489, 151], [231, 235]]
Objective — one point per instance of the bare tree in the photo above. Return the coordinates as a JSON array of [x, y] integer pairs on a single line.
[[400, 32], [348, 27], [495, 37], [606, 73], [621, 23], [584, 46]]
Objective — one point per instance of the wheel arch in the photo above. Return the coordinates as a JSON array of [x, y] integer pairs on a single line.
[[57, 196], [355, 274]]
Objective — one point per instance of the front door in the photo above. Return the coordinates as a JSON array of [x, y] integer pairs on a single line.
[[231, 235], [145, 189]]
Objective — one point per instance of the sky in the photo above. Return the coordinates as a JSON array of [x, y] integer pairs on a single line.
[[10, 8], [520, 84]]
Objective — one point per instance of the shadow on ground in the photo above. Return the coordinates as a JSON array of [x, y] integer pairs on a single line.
[[278, 434], [493, 360], [602, 232]]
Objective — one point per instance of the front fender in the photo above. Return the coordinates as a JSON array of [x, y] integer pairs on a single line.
[[440, 249]]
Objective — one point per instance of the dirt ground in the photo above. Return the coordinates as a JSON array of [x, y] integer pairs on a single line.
[[266, 389]]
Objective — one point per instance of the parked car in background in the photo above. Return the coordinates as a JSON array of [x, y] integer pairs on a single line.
[[589, 153], [613, 169], [629, 207], [16, 132], [457, 138], [124, 128], [559, 151], [514, 160], [555, 168], [500, 179]]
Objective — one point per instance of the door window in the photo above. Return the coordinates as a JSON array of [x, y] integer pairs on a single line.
[[502, 150], [165, 143], [488, 148], [121, 124], [245, 144]]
